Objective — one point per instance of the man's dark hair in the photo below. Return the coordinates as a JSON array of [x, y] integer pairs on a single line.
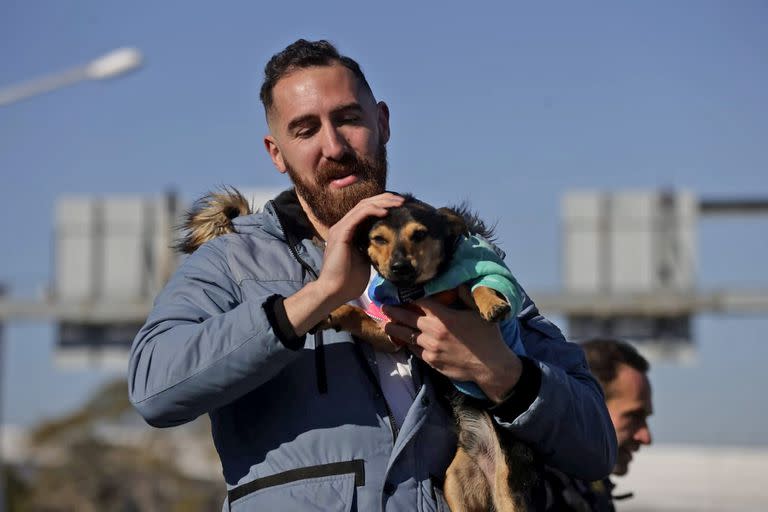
[[300, 55], [604, 355]]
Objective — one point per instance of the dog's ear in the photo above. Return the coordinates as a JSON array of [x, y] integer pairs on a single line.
[[361, 239], [456, 224], [473, 224]]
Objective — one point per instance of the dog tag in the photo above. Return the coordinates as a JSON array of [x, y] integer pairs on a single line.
[[411, 294]]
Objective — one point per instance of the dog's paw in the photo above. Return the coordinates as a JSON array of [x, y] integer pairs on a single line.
[[496, 312], [491, 304], [342, 318]]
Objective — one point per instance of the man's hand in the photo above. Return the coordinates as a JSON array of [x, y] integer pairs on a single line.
[[458, 344], [345, 271]]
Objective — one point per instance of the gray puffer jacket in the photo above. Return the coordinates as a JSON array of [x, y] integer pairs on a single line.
[[309, 428]]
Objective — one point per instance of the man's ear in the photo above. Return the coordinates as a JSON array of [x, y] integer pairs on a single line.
[[270, 143], [383, 121]]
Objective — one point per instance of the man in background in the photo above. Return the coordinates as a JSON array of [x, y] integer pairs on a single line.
[[622, 373]]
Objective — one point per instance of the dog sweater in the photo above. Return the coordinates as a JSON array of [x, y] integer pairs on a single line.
[[475, 262]]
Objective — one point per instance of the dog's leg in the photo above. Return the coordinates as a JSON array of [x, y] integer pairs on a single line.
[[491, 304], [514, 475], [506, 499], [355, 321], [488, 472], [466, 489], [468, 480]]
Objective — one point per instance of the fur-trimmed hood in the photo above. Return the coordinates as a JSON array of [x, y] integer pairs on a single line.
[[211, 216]]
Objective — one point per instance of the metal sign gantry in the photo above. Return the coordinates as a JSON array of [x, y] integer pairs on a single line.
[[629, 267]]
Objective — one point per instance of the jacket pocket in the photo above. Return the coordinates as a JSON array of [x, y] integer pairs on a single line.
[[327, 487]]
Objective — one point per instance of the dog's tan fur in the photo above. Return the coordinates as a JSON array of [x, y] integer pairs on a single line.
[[424, 253], [489, 471]]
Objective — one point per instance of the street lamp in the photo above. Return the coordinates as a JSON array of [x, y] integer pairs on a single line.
[[114, 63], [110, 65]]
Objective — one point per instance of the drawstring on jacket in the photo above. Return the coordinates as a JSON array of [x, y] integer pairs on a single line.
[[320, 370]]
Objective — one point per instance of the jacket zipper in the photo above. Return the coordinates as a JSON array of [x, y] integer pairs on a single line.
[[322, 378], [322, 381]]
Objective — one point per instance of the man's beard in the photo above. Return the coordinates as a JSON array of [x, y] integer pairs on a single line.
[[329, 205]]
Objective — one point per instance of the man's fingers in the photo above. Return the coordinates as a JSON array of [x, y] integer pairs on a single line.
[[402, 333], [416, 350], [381, 201], [386, 196], [376, 206], [448, 316], [436, 308], [402, 315]]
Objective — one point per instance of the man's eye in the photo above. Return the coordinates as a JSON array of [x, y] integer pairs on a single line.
[[418, 236], [305, 133], [379, 240]]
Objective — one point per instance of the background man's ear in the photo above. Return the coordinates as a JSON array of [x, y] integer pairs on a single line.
[[270, 144], [456, 222]]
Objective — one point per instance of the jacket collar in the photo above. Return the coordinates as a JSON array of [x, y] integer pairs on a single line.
[[292, 218]]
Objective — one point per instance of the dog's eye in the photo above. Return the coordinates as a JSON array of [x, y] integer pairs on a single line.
[[418, 236], [379, 240]]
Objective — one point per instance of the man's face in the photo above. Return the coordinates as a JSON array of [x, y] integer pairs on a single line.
[[629, 406], [329, 135]]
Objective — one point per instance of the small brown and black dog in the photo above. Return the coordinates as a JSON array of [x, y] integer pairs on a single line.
[[411, 245]]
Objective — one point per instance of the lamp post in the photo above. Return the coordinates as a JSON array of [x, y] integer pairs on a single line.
[[3, 486], [112, 64]]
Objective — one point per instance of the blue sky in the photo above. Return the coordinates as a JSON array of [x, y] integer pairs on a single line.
[[505, 104]]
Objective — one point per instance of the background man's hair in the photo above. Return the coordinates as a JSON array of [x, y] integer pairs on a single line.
[[300, 55], [604, 355]]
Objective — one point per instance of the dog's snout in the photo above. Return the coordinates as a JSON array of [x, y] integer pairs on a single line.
[[401, 267]]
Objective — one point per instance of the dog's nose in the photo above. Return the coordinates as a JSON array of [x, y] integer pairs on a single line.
[[401, 268]]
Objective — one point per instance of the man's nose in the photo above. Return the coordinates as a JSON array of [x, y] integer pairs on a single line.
[[334, 144], [643, 436]]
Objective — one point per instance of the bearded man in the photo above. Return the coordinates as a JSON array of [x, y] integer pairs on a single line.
[[305, 419]]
